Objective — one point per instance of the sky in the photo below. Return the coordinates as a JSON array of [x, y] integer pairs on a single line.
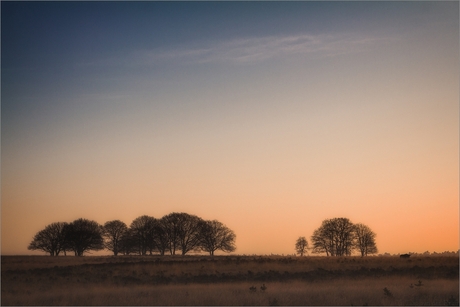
[[267, 116]]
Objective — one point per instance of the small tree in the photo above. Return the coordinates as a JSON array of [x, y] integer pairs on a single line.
[[301, 246], [112, 232], [365, 240], [216, 236], [50, 240]]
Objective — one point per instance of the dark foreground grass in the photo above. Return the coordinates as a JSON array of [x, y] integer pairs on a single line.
[[226, 280]]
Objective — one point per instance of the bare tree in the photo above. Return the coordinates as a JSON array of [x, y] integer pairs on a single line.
[[112, 232], [335, 237], [321, 243], [365, 240], [301, 246], [142, 230], [160, 237], [189, 232], [173, 232], [216, 236], [182, 231], [83, 235], [128, 244], [171, 226], [50, 240]]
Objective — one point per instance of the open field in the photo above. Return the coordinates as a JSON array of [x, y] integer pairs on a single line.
[[226, 280]]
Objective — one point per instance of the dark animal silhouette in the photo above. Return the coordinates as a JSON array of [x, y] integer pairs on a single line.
[[404, 256]]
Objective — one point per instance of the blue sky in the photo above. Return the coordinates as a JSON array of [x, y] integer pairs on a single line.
[[297, 111]]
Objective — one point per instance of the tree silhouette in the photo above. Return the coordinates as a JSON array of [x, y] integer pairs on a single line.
[[321, 242], [160, 236], [189, 232], [128, 244], [216, 236], [171, 224], [113, 232], [173, 232], [339, 237], [142, 231], [83, 235], [301, 246], [365, 240], [182, 232], [334, 237], [50, 240]]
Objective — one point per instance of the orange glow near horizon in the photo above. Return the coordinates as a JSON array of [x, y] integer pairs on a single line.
[[267, 215]]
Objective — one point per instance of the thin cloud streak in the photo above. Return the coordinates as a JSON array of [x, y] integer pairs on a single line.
[[251, 50]]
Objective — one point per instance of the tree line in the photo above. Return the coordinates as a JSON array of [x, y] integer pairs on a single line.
[[339, 237], [175, 232]]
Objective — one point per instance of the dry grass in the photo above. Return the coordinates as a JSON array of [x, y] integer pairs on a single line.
[[199, 280], [367, 291]]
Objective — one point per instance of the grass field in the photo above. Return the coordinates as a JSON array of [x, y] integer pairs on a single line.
[[226, 280]]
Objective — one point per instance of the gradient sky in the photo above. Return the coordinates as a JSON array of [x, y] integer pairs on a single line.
[[267, 116]]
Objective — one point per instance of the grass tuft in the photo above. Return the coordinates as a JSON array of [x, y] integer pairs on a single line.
[[387, 292]]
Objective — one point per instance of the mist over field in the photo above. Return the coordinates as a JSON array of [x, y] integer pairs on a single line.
[[229, 280]]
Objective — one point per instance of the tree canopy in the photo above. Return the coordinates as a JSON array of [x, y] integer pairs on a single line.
[[113, 232], [340, 237], [216, 236], [82, 236], [173, 232], [365, 240], [50, 240]]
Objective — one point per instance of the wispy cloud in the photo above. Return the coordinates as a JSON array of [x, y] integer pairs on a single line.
[[252, 50]]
